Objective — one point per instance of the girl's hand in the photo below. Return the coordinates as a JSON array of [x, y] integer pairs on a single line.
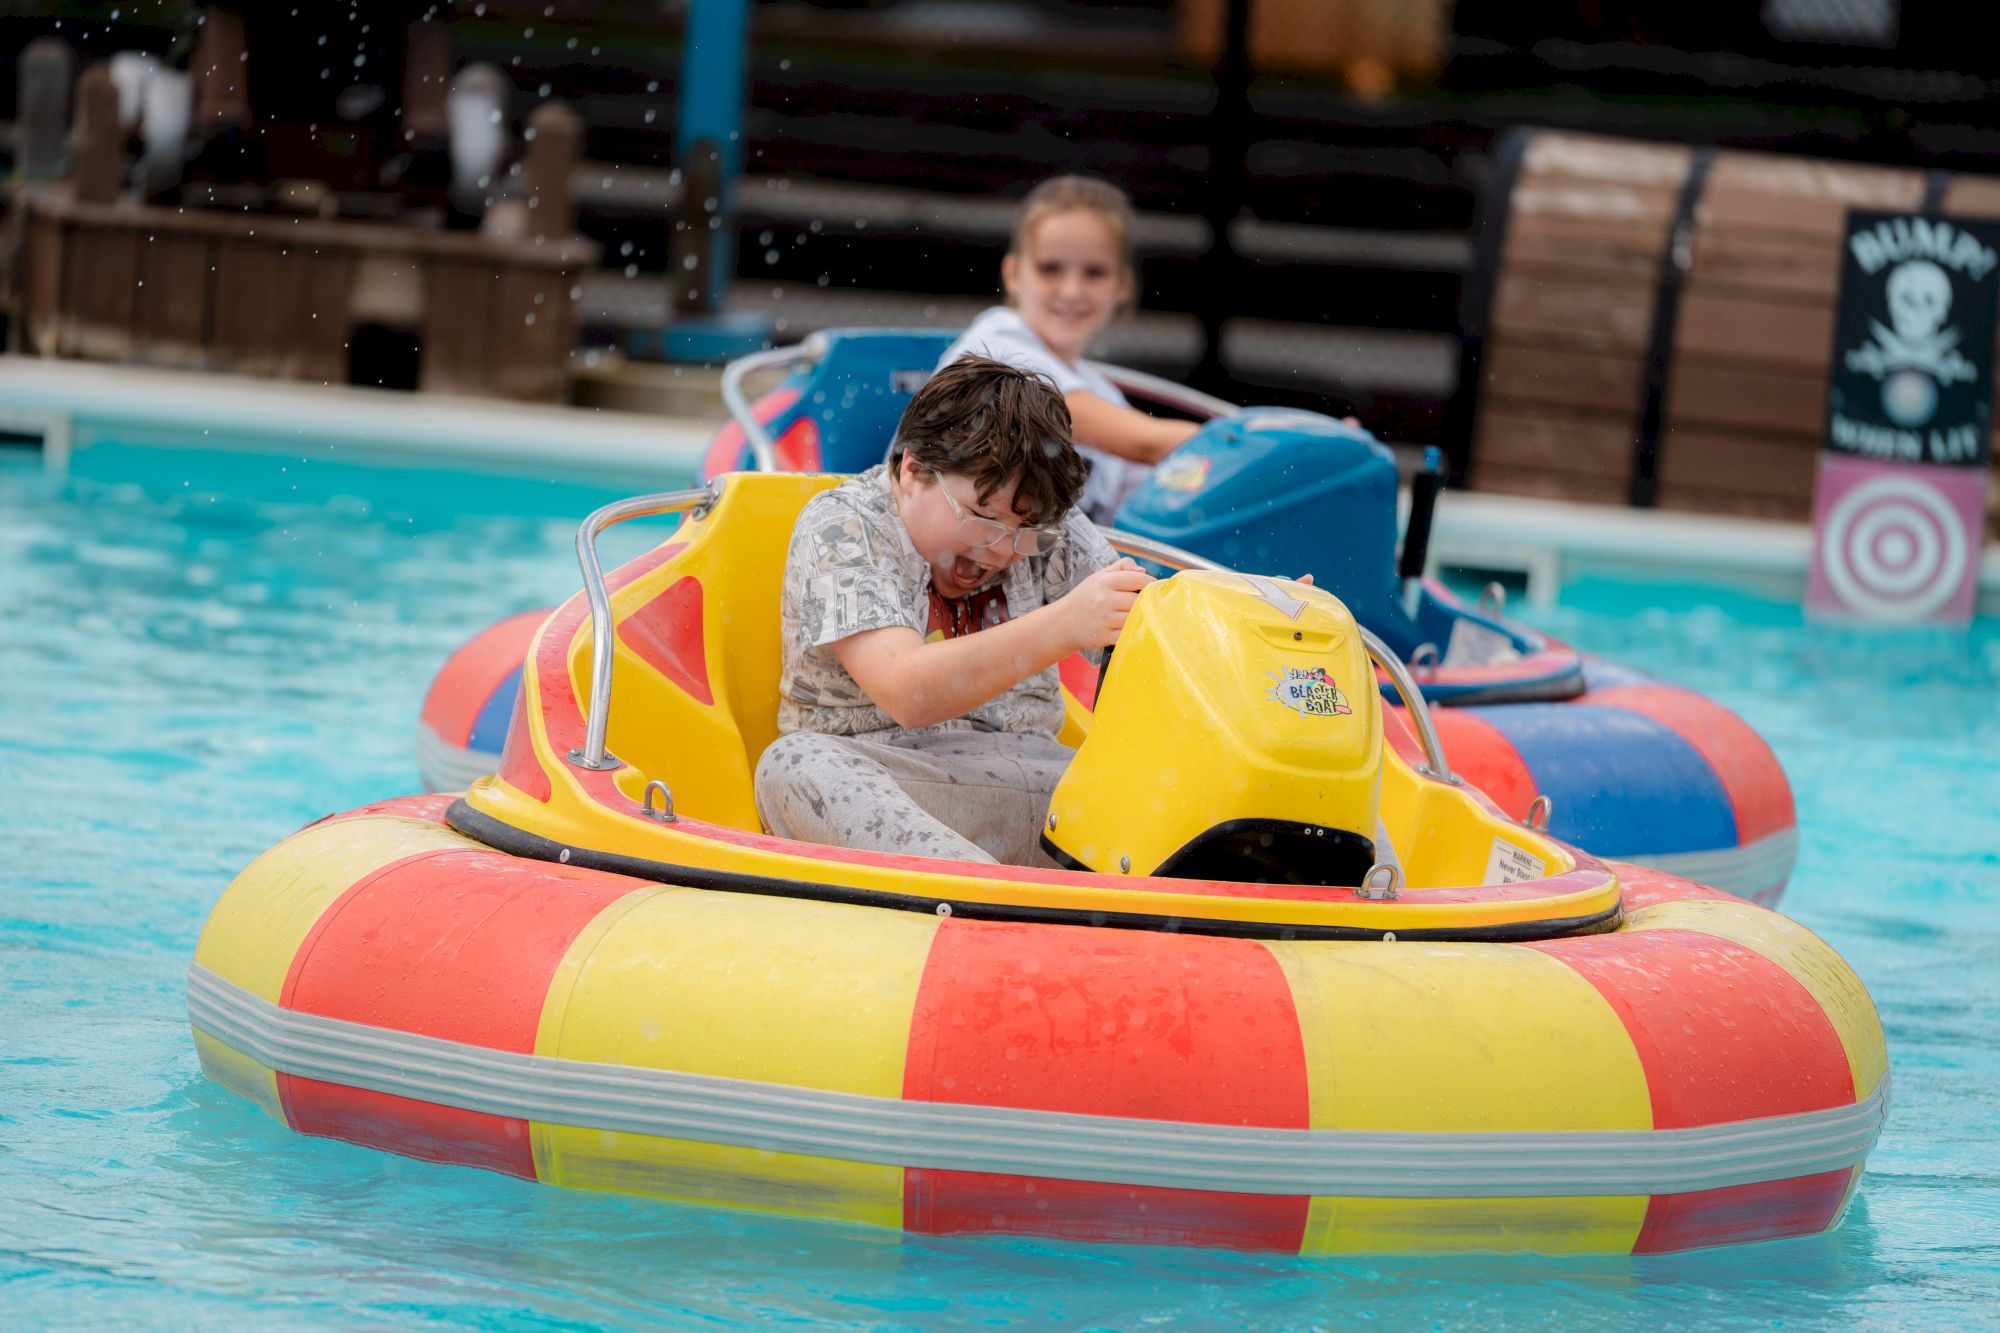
[[1094, 610]]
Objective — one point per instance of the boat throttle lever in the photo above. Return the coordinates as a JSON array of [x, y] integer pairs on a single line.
[[1424, 488]]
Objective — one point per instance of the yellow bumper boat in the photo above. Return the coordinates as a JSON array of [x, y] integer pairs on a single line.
[[1300, 989]]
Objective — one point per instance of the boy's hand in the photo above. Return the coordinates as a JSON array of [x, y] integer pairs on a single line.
[[1095, 609]]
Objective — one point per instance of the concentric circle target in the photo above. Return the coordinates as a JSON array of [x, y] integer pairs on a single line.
[[1893, 549]]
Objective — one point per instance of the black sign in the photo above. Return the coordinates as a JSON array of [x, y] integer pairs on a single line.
[[1912, 373]]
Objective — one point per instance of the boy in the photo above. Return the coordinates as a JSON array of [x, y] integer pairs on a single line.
[[926, 603]]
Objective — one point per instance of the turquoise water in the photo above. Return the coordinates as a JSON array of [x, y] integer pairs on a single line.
[[188, 672]]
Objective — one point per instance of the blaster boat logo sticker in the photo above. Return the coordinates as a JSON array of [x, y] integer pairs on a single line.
[[1309, 691], [1179, 473]]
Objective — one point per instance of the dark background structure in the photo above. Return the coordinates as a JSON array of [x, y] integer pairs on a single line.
[[1306, 214]]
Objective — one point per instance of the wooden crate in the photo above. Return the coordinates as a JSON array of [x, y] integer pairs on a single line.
[[1565, 326]]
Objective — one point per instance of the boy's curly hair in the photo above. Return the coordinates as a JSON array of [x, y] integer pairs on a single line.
[[988, 421]]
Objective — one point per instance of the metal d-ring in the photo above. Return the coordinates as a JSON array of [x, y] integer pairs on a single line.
[[1381, 883], [1539, 811], [1424, 659], [662, 816], [1493, 599]]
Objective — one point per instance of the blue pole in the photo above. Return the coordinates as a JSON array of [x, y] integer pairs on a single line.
[[708, 145]]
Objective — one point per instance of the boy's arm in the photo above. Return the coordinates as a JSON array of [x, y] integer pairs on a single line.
[[920, 684], [1124, 431]]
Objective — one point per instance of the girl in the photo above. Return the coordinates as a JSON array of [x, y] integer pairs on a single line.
[[1068, 270]]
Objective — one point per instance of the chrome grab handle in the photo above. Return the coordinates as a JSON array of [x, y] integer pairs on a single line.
[[593, 754], [763, 452], [1414, 704], [1145, 548], [1165, 392]]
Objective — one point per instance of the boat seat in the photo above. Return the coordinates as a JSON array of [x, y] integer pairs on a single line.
[[694, 685], [695, 674]]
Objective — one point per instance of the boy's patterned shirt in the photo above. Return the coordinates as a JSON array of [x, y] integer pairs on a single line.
[[851, 568]]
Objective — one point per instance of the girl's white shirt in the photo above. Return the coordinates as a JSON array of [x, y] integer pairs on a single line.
[[1001, 333]]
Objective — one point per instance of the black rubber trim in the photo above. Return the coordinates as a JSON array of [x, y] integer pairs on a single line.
[[1936, 182], [1568, 685], [505, 837], [1674, 262], [1514, 932], [1475, 296], [1063, 858]]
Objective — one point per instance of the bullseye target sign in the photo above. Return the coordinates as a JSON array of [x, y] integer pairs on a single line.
[[1896, 545], [1898, 505]]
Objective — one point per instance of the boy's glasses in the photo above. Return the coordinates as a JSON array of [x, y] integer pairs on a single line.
[[979, 533]]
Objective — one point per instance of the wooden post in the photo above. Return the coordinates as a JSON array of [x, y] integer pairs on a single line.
[[100, 137], [221, 74], [42, 111], [228, 168], [424, 138], [555, 140], [426, 80]]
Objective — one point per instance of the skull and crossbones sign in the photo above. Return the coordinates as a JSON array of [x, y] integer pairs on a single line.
[[1919, 300]]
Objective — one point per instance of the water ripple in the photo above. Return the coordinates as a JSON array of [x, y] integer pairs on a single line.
[[190, 678]]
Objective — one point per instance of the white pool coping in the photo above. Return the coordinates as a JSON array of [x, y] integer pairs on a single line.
[[75, 404], [1549, 542]]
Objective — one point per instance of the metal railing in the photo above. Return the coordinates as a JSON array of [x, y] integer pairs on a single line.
[[1165, 392], [593, 754], [763, 452]]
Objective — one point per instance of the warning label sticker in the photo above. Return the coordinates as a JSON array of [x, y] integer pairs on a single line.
[[1508, 864]]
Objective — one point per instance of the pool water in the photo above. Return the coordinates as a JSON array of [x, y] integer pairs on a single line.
[[190, 670]]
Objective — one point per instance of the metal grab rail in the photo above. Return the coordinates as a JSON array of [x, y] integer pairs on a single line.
[[1165, 392], [764, 451], [1414, 703], [594, 756]]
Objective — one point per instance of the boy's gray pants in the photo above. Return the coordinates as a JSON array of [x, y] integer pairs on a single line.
[[961, 795]]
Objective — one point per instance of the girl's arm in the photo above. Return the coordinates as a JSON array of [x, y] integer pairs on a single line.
[[1122, 430], [919, 684]]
